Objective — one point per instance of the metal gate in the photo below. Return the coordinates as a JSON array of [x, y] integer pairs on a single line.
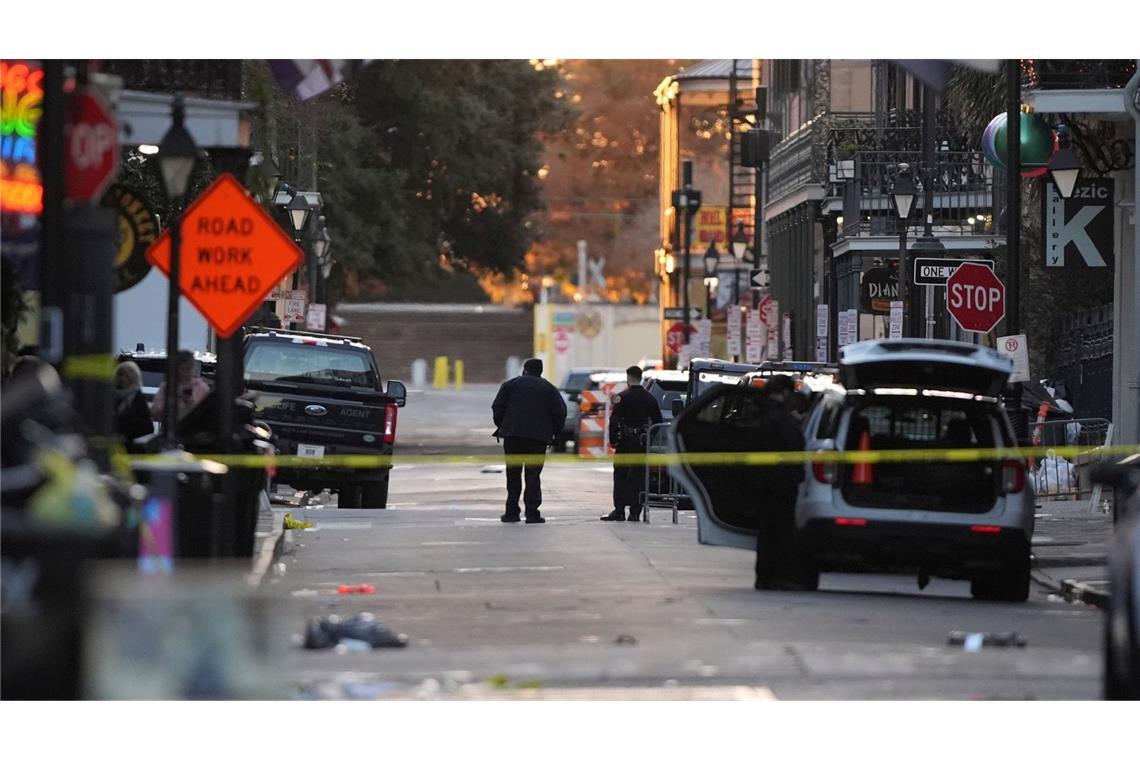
[[661, 490]]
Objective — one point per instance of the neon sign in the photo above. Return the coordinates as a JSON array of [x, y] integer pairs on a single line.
[[21, 100]]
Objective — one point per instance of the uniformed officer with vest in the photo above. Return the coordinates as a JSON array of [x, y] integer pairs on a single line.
[[634, 410]]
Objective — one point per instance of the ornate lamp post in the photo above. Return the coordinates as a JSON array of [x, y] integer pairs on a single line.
[[177, 155], [903, 191]]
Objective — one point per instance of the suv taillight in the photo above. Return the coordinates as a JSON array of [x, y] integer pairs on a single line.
[[824, 472], [390, 423], [1012, 476]]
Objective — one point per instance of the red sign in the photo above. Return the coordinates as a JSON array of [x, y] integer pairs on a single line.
[[233, 254], [674, 339], [975, 297], [91, 148], [766, 308]]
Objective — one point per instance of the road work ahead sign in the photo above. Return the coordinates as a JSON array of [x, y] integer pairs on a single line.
[[233, 254], [1078, 230]]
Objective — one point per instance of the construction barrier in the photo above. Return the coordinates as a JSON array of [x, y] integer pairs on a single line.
[[592, 424]]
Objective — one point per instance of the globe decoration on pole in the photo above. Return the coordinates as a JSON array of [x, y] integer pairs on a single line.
[[1038, 144]]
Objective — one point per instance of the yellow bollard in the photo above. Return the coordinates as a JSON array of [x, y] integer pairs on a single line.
[[458, 374], [440, 379]]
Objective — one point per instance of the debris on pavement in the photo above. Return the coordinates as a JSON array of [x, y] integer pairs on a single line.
[[494, 469], [974, 641], [359, 588], [291, 523], [625, 638], [359, 632]]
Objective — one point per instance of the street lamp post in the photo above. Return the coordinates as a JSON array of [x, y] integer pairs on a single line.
[[321, 244], [688, 201], [298, 209], [712, 258], [739, 248], [903, 191], [1065, 165], [177, 155]]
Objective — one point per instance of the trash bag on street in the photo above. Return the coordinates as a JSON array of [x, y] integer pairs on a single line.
[[1055, 475], [327, 632]]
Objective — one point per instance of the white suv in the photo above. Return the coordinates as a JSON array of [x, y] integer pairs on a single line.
[[968, 520]]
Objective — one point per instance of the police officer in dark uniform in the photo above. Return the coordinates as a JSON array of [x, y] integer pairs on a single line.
[[634, 410]]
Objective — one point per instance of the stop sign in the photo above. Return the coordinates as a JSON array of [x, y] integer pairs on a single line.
[[975, 297], [674, 339], [91, 148]]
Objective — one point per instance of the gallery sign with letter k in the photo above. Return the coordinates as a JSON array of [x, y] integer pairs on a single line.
[[1083, 222]]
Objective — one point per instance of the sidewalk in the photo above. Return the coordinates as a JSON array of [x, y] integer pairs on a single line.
[[1070, 551]]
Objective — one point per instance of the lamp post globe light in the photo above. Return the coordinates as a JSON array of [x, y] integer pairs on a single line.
[[1066, 164], [177, 156], [299, 211], [903, 191]]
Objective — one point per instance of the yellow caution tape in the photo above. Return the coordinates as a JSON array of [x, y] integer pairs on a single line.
[[89, 367], [712, 458]]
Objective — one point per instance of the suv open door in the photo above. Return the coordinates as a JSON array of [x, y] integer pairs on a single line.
[[727, 496]]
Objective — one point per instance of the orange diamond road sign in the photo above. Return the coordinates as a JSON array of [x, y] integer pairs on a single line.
[[233, 254]]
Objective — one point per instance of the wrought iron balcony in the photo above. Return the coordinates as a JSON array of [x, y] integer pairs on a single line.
[[968, 193], [1077, 74], [203, 78]]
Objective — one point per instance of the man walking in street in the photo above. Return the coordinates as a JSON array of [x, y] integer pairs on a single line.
[[528, 413], [634, 410], [778, 566]]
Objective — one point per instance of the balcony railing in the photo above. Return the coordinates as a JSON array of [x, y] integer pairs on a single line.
[[968, 194], [1077, 74], [797, 161], [203, 78]]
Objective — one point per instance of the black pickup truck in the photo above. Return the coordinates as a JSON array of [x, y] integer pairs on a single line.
[[321, 395]]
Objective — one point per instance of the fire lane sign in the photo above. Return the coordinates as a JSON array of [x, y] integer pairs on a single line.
[[232, 255]]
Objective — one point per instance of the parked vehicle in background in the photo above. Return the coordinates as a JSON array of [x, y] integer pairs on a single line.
[[963, 520], [709, 373], [152, 364], [322, 395], [1122, 619], [667, 386]]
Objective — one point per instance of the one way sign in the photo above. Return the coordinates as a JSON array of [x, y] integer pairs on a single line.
[[1079, 230]]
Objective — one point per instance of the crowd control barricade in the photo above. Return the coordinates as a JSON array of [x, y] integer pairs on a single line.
[[1057, 478], [662, 491], [592, 442]]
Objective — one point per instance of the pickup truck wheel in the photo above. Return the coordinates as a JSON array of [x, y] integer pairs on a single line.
[[375, 495], [349, 497]]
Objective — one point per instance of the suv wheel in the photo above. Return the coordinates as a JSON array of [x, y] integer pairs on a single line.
[[1010, 584], [349, 497], [374, 495]]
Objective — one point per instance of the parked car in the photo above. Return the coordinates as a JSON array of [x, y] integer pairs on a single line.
[[709, 373], [668, 386], [1122, 619], [963, 520], [322, 395], [152, 364]]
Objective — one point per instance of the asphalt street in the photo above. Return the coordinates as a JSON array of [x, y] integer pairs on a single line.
[[581, 607]]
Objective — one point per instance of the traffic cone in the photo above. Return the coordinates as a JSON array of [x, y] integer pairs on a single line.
[[862, 474]]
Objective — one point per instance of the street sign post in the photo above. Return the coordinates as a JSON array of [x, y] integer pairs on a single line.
[[233, 254], [91, 140], [676, 312], [929, 271], [975, 297], [1016, 348], [758, 278]]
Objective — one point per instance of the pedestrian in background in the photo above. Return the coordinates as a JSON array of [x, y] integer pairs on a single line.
[[778, 565], [132, 415], [191, 389], [634, 410], [528, 413]]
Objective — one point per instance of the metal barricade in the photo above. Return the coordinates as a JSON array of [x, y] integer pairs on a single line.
[[661, 490], [1057, 478]]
